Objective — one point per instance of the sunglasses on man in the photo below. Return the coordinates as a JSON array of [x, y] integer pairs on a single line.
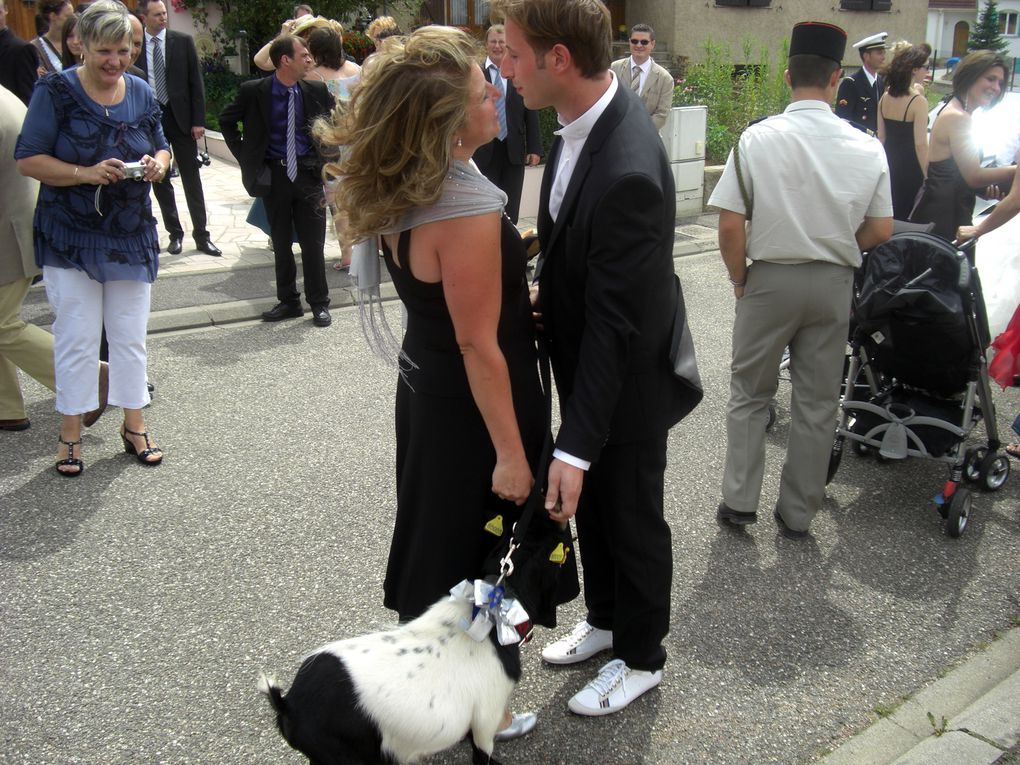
[[640, 42]]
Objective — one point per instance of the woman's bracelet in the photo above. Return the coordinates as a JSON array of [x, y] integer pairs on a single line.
[[735, 283]]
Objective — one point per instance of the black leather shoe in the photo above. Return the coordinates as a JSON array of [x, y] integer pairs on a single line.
[[208, 248], [283, 311], [726, 514], [320, 316], [174, 248], [22, 424], [785, 530]]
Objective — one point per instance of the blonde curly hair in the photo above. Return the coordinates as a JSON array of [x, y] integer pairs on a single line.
[[380, 24], [397, 132]]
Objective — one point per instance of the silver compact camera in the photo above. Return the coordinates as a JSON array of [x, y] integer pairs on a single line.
[[134, 170]]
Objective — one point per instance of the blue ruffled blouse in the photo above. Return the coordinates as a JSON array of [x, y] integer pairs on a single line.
[[111, 236]]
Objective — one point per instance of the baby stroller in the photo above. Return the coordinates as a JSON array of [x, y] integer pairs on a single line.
[[917, 381]]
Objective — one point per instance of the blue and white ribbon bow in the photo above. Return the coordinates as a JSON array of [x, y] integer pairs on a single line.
[[491, 608]]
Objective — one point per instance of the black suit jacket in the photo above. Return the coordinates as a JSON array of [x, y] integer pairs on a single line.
[[856, 101], [184, 87], [19, 63], [252, 108], [523, 136], [607, 290]]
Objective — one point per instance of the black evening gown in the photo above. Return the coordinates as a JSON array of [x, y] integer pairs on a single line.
[[904, 170], [445, 457], [948, 201]]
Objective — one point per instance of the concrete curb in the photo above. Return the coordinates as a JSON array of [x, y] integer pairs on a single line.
[[980, 701]]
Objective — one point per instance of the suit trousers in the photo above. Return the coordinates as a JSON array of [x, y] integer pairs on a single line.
[[806, 307], [185, 150], [626, 550], [82, 307], [22, 346], [506, 175], [298, 206]]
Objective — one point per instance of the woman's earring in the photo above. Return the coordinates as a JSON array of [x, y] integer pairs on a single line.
[[459, 142]]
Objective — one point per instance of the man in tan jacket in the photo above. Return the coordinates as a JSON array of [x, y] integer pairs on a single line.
[[646, 78], [22, 346]]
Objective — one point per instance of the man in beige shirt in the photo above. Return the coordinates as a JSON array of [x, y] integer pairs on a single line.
[[646, 78]]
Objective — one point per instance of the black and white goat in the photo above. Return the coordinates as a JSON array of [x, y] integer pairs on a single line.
[[396, 696]]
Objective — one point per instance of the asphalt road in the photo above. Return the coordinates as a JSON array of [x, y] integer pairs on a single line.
[[138, 605]]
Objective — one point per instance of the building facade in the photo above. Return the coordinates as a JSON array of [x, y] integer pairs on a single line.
[[950, 23]]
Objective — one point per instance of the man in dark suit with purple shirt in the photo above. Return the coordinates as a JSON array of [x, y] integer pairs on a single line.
[[277, 154]]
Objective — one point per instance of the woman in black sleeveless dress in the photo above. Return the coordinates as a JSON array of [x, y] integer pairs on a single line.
[[954, 161], [903, 126], [469, 406]]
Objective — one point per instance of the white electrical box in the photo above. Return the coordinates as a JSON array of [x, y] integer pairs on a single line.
[[684, 137], [684, 133]]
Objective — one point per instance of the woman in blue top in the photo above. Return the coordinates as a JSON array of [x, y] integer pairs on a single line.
[[95, 237]]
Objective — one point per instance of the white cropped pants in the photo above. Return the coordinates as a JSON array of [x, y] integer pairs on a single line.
[[82, 306]]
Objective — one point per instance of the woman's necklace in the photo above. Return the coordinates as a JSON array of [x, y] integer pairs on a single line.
[[93, 93]]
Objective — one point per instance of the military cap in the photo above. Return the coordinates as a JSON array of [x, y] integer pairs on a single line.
[[818, 38]]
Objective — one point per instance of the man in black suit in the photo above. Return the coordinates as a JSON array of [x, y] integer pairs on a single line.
[[170, 63], [19, 63], [858, 96], [280, 163], [607, 295], [519, 142]]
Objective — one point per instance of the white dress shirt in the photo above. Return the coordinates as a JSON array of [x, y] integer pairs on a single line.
[[645, 68], [489, 64], [574, 135]]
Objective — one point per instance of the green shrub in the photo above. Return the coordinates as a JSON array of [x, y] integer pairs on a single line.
[[221, 86], [734, 94], [547, 123]]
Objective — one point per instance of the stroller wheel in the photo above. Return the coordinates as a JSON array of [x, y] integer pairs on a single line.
[[959, 513], [972, 471], [994, 470]]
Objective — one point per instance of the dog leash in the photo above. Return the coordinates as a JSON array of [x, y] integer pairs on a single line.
[[537, 497]]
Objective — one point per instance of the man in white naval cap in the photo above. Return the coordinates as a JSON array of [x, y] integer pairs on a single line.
[[857, 99]]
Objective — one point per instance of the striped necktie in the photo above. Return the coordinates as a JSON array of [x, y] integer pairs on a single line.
[[500, 103], [291, 138], [158, 72], [635, 81]]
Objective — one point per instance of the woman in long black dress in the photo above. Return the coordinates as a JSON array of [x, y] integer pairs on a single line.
[[469, 415], [903, 126], [954, 161]]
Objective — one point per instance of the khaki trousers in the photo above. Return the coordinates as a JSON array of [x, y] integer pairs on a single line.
[[22, 346], [805, 307]]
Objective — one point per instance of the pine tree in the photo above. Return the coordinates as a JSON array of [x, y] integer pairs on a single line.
[[986, 34]]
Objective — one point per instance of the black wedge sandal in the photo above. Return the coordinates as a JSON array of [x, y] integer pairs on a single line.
[[71, 461], [148, 451]]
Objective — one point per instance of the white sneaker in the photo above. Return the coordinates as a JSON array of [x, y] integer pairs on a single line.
[[616, 686], [581, 644]]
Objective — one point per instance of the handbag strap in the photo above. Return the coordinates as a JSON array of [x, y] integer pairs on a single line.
[[748, 203], [536, 501]]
